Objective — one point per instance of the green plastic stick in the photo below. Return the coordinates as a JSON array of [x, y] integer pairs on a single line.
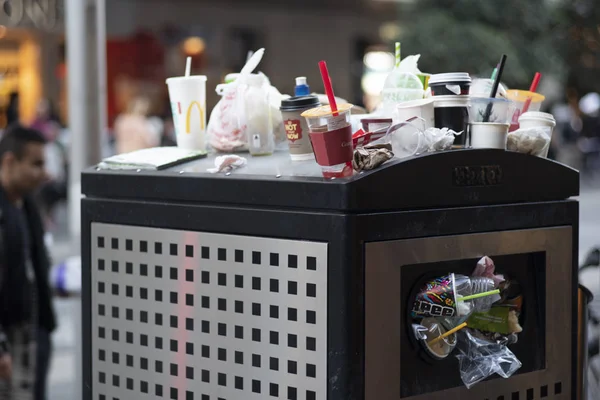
[[478, 295]]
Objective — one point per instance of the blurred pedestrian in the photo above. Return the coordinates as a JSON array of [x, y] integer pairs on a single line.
[[46, 120], [54, 190], [26, 312], [134, 130]]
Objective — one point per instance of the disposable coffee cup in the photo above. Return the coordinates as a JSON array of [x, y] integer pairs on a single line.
[[296, 128], [452, 112], [422, 109], [331, 138], [450, 84], [187, 95], [488, 135], [533, 119]]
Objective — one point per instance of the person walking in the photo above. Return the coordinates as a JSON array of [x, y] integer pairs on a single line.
[[26, 313], [134, 130]]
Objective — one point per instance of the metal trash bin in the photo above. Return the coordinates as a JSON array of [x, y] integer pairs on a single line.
[[273, 284]]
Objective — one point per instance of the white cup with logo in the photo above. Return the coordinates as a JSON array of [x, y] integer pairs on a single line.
[[187, 95]]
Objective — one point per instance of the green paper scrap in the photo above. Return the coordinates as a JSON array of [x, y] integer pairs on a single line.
[[495, 320]]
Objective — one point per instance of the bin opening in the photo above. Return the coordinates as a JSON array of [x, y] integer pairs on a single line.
[[523, 289]]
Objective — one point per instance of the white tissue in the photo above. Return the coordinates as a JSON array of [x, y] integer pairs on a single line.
[[227, 163]]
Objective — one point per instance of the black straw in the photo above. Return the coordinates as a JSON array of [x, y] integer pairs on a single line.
[[488, 110]]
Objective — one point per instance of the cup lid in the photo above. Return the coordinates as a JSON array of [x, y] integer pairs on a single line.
[[325, 111], [451, 101], [537, 116], [523, 95], [299, 102], [191, 77], [450, 77]]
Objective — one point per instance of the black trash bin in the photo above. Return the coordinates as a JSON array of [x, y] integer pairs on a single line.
[[272, 282]]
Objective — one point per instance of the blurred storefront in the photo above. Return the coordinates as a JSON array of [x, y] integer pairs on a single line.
[[31, 43], [219, 35]]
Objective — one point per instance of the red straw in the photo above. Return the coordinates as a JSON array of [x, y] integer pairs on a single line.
[[532, 88], [328, 87]]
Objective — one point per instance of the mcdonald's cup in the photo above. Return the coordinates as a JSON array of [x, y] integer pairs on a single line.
[[188, 103]]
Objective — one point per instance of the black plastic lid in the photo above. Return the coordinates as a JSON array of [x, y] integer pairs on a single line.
[[299, 103]]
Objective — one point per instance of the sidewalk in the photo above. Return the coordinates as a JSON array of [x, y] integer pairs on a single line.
[[62, 383]]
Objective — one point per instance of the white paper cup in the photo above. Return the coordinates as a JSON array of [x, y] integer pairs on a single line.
[[188, 104], [488, 135], [534, 119], [422, 108]]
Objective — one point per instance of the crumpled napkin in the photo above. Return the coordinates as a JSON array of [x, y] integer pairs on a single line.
[[436, 139], [371, 156], [227, 163]]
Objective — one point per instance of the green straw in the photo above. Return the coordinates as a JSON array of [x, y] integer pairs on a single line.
[[397, 54], [494, 73], [478, 295]]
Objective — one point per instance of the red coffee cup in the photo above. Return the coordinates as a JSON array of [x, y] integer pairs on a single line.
[[331, 138]]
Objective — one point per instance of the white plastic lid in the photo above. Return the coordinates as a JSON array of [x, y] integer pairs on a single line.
[[301, 80], [191, 77], [450, 77], [537, 116], [451, 101]]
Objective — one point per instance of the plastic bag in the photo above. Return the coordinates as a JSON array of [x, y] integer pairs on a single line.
[[479, 359], [247, 117], [485, 267], [534, 141]]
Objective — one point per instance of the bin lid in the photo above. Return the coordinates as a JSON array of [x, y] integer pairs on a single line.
[[435, 180]]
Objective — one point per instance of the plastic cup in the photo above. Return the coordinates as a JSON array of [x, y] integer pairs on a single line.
[[331, 138], [188, 104], [500, 110], [488, 135], [399, 87], [422, 109], [536, 119], [519, 97]]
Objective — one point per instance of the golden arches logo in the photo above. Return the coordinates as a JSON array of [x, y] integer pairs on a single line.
[[188, 116]]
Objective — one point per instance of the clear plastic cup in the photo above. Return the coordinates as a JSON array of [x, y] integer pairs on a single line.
[[331, 138], [519, 97], [399, 87], [500, 110]]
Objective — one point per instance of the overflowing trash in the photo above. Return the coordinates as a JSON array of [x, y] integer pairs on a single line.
[[474, 317]]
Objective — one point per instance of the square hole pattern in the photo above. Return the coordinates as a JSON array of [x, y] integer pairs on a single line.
[[201, 316]]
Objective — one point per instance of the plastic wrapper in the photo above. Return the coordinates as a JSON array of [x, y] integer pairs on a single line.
[[478, 359], [486, 268], [534, 141], [499, 319], [371, 156]]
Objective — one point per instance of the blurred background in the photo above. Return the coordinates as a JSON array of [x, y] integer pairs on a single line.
[[149, 40]]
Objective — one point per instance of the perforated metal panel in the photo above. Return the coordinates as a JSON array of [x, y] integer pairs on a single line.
[[199, 316]]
